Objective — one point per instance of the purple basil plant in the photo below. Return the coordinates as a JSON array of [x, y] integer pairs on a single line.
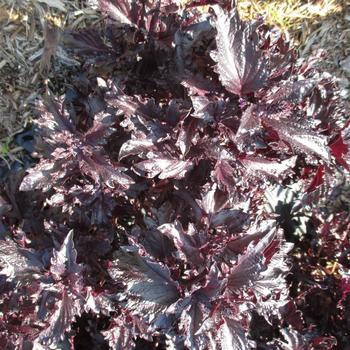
[[145, 215]]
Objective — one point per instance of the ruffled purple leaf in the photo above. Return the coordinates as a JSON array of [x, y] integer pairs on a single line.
[[124, 11], [149, 287], [301, 137], [240, 65], [224, 175], [86, 42], [230, 336], [193, 315], [233, 219], [59, 323], [101, 130], [294, 92], [134, 147], [187, 244], [42, 176], [293, 340], [63, 262], [206, 109], [103, 172], [163, 167], [122, 331], [270, 168], [19, 262], [250, 264]]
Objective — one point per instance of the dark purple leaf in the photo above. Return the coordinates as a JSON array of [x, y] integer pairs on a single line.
[[41, 176], [231, 336], [224, 175], [102, 171], [294, 92], [250, 265], [268, 167], [238, 244], [187, 135], [59, 323], [293, 340], [86, 42], [149, 287], [317, 179], [240, 66], [18, 262], [163, 167], [134, 147], [54, 118], [155, 243], [185, 242], [192, 319], [234, 219], [124, 11], [339, 149], [198, 85], [122, 331], [213, 200], [100, 131], [301, 137], [63, 262], [249, 123], [207, 110]]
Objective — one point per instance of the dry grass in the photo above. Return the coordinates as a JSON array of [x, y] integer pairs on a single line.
[[290, 15]]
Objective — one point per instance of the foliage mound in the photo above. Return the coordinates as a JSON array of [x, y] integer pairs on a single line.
[[146, 220]]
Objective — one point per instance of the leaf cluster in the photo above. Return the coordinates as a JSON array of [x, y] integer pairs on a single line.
[[158, 158]]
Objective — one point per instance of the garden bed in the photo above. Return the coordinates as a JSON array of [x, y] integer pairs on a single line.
[[174, 182]]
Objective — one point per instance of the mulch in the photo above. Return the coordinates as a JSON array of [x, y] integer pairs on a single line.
[[30, 32]]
